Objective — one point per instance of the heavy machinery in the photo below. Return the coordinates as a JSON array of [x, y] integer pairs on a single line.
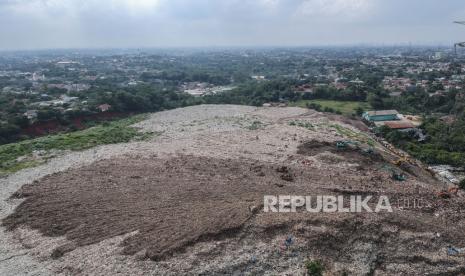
[[402, 160], [345, 143], [398, 176], [445, 194], [395, 175], [341, 145], [368, 151]]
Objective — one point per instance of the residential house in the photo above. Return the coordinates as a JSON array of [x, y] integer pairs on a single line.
[[104, 107], [31, 114]]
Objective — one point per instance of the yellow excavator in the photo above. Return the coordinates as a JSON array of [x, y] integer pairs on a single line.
[[401, 160]]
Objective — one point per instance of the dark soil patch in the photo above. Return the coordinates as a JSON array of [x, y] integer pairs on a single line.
[[351, 153], [171, 203], [314, 147]]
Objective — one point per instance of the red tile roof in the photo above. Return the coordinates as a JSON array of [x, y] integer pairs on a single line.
[[399, 125]]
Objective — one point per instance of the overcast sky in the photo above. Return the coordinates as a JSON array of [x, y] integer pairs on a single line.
[[31, 24]]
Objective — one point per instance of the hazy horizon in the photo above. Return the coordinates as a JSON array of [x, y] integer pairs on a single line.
[[93, 24]]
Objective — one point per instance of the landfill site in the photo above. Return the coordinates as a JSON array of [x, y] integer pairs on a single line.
[[190, 201]]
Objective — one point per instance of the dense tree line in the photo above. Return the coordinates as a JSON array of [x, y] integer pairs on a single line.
[[421, 102], [256, 93], [143, 98], [445, 142]]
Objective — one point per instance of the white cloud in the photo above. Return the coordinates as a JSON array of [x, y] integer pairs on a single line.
[[137, 6], [69, 7], [269, 3], [345, 8]]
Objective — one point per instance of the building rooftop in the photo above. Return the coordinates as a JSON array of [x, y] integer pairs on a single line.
[[399, 125], [382, 112]]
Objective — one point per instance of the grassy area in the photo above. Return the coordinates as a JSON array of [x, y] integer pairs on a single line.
[[345, 107], [17, 156], [314, 268], [356, 136], [306, 125], [255, 125]]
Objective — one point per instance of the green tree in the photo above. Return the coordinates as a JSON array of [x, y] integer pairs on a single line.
[[375, 101]]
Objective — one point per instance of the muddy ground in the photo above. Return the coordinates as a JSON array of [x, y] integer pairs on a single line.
[[190, 203]]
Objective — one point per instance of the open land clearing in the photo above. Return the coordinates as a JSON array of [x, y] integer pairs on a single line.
[[345, 107], [190, 201]]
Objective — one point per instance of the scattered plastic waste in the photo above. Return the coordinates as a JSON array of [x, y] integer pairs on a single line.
[[288, 242], [454, 250], [253, 259]]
